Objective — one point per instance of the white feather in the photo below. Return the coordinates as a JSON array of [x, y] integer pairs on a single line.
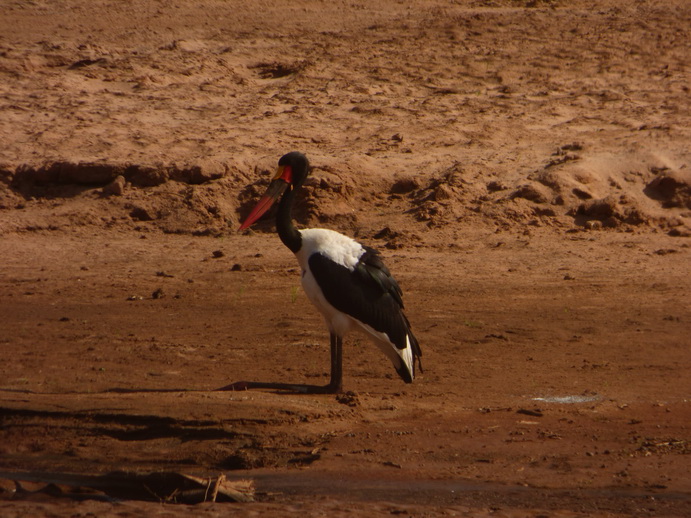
[[337, 247]]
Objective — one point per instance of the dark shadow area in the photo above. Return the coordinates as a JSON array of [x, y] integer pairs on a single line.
[[167, 487], [290, 388], [67, 179]]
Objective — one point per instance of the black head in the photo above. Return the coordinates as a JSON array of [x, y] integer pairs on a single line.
[[299, 165], [292, 170]]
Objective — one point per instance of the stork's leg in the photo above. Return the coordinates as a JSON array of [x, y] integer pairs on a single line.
[[336, 383]]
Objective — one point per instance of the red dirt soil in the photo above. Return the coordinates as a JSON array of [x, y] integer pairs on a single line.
[[523, 166]]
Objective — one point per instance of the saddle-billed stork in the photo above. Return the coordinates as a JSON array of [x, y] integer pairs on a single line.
[[347, 282]]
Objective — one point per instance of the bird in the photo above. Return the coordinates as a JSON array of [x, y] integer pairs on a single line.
[[346, 281]]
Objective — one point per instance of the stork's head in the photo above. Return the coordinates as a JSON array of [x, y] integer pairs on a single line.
[[292, 170], [293, 167]]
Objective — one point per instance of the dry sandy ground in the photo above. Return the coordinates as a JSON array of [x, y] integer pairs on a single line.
[[522, 165]]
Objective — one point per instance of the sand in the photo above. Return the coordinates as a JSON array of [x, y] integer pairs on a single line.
[[523, 167]]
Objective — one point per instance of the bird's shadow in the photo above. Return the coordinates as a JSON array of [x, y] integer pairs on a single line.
[[279, 388]]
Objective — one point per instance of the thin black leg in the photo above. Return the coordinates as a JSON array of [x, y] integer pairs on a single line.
[[336, 383]]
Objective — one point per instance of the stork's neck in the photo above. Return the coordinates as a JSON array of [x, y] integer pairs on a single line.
[[290, 235]]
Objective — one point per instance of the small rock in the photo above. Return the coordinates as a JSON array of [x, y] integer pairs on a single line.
[[442, 193], [141, 213], [217, 254], [671, 188], [349, 398], [386, 233], [116, 187], [158, 294], [147, 176], [574, 146], [581, 194], [680, 232], [531, 192], [495, 186], [332, 183], [189, 45], [593, 225], [201, 172], [600, 209], [405, 185]]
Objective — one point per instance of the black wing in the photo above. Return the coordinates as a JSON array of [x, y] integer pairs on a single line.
[[368, 293]]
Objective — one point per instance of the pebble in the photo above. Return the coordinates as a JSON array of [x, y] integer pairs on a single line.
[[116, 187]]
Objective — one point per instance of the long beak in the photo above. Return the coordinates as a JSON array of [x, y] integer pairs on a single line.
[[273, 192]]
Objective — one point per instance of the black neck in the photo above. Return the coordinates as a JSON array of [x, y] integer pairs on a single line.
[[284, 222]]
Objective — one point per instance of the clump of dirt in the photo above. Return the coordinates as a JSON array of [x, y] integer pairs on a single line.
[[612, 211], [532, 192], [671, 188]]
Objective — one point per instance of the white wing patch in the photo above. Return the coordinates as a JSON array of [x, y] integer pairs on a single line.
[[337, 247]]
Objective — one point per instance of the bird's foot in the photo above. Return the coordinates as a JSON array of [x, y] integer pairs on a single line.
[[332, 388]]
